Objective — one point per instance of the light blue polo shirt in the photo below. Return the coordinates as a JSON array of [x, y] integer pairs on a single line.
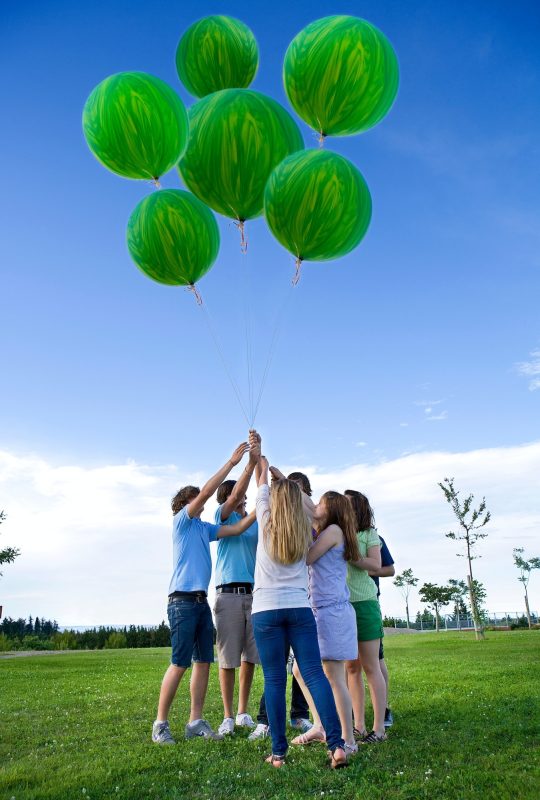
[[191, 553], [236, 554]]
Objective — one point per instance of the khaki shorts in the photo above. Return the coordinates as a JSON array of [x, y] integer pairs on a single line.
[[235, 640]]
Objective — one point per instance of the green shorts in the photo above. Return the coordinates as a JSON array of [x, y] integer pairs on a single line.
[[368, 620]]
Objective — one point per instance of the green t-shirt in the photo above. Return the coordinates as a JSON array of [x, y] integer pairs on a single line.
[[360, 584]]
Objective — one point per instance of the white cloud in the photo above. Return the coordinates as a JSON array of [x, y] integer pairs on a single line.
[[531, 369], [361, 444], [96, 546], [442, 415]]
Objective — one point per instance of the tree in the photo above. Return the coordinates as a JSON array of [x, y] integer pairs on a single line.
[[471, 520], [8, 554], [404, 583], [436, 597], [525, 567], [458, 592]]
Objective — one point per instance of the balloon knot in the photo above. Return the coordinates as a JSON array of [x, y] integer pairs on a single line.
[[193, 289], [241, 225], [155, 182], [322, 137], [298, 267]]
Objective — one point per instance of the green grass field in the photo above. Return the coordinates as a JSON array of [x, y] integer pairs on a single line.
[[467, 725]]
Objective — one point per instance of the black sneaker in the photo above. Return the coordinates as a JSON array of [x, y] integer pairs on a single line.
[[388, 718], [373, 738]]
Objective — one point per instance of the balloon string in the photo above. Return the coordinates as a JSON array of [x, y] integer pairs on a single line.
[[196, 294], [241, 225], [210, 325], [272, 349], [298, 267], [156, 184]]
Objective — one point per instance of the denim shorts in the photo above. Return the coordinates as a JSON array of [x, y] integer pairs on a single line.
[[192, 632]]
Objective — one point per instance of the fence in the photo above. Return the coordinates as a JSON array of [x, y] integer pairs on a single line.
[[450, 622]]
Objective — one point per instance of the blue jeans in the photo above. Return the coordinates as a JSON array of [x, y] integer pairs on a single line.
[[276, 631]]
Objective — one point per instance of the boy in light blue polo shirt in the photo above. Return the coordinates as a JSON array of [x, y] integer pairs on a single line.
[[235, 570], [189, 614]]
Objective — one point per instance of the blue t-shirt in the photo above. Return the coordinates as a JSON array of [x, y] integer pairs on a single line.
[[236, 554], [386, 561], [191, 553]]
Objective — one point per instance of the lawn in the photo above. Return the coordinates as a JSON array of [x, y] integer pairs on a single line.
[[467, 726]]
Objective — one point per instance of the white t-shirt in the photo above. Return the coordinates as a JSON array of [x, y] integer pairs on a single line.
[[276, 585]]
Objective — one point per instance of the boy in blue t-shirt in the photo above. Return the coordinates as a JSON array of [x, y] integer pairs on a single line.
[[387, 570], [190, 618], [235, 574]]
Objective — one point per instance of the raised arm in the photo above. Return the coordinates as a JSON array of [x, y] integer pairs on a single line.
[[241, 485], [309, 505], [238, 527], [197, 505], [327, 539], [383, 572], [371, 562]]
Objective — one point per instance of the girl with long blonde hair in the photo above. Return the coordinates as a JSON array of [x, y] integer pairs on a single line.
[[281, 615]]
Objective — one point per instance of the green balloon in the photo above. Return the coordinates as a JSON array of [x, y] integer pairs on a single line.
[[173, 237], [135, 125], [216, 53], [318, 205], [341, 75], [237, 137]]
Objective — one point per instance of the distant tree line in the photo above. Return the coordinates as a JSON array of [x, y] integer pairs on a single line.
[[41, 634]]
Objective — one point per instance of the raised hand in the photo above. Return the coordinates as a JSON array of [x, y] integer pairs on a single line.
[[239, 453], [254, 446], [276, 474]]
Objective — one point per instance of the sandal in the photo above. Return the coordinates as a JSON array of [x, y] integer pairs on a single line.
[[374, 738], [340, 761], [275, 761], [359, 734], [313, 735]]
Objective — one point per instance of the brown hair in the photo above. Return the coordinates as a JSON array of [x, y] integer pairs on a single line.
[[288, 531], [302, 480], [184, 496], [365, 518], [225, 491], [339, 512]]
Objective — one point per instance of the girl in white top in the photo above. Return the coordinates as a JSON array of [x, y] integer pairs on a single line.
[[282, 617]]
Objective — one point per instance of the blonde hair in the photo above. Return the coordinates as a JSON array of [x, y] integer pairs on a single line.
[[287, 534]]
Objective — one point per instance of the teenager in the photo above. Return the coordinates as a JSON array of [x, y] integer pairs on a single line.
[[299, 713], [387, 570], [235, 568], [368, 622], [190, 618], [282, 617], [335, 545]]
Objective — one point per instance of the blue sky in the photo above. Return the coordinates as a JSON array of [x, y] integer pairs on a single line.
[[411, 344]]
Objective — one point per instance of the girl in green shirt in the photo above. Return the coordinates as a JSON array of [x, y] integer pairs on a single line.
[[369, 622]]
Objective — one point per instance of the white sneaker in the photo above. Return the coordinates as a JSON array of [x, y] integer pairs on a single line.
[[244, 721], [260, 732], [350, 749], [302, 725], [227, 727], [201, 728]]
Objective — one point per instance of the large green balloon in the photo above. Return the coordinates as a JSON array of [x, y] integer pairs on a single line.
[[173, 237], [135, 125], [216, 53], [318, 205], [236, 138], [341, 75]]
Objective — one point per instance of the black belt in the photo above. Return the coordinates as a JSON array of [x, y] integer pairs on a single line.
[[235, 588], [196, 597]]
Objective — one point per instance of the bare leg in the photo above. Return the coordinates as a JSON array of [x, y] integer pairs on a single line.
[[198, 687], [169, 685], [335, 672], [246, 679], [226, 682], [307, 694], [369, 657], [384, 670], [355, 683]]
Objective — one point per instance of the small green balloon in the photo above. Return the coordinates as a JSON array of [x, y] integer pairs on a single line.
[[217, 52], [237, 137], [135, 125], [318, 205], [173, 237], [341, 75]]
